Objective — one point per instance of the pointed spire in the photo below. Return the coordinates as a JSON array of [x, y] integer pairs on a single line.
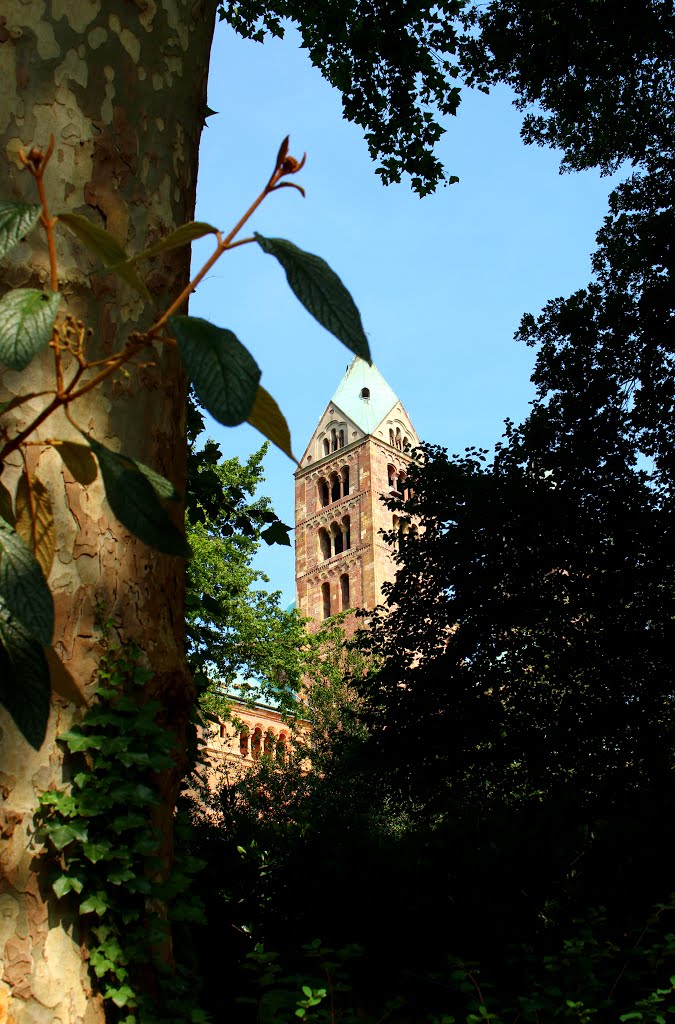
[[364, 395]]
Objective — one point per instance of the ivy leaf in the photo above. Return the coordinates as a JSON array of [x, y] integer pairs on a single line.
[[97, 903], [79, 460], [277, 533], [183, 235], [135, 494], [35, 521], [224, 373], [23, 588], [321, 292], [267, 417], [24, 679], [107, 248], [16, 221], [66, 883], [26, 324]]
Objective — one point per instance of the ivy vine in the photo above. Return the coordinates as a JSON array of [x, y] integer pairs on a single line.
[[103, 850]]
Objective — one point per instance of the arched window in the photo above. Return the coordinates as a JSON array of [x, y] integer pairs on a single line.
[[324, 496], [334, 487], [256, 743], [338, 538], [243, 742], [365, 393], [398, 437], [324, 543], [344, 591], [334, 440], [281, 748], [344, 473], [391, 437], [406, 443], [325, 597], [391, 477], [400, 482], [346, 533], [414, 531], [342, 439], [269, 743], [326, 446]]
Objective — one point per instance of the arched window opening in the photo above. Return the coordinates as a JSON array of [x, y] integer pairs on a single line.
[[400, 483], [324, 543], [326, 446], [391, 437], [334, 487], [334, 440], [398, 438], [325, 595], [324, 496], [365, 392], [406, 443], [269, 743], [391, 477], [342, 439], [414, 531], [281, 748], [345, 481], [256, 743], [346, 533], [344, 591], [338, 538], [243, 742]]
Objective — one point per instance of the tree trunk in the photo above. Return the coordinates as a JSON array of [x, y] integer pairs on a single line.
[[122, 87]]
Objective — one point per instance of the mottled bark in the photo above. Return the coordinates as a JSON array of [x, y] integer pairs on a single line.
[[121, 86]]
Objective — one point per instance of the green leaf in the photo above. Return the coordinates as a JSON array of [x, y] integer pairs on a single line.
[[224, 373], [26, 324], [66, 883], [107, 248], [135, 493], [97, 903], [6, 510], [183, 235], [267, 417], [79, 460], [24, 680], [62, 835], [277, 533], [16, 221], [321, 292], [23, 588], [307, 991]]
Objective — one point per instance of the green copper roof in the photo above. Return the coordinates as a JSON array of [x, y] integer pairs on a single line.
[[364, 395]]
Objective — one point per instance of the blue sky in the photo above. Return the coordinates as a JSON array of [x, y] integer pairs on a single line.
[[441, 282]]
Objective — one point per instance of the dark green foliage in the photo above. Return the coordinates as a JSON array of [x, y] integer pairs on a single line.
[[24, 679], [393, 62]]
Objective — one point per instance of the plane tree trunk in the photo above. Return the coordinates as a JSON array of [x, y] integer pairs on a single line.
[[122, 88]]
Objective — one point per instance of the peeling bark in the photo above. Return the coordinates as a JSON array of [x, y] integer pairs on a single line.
[[122, 88]]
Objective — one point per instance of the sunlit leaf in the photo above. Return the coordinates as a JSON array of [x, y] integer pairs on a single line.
[[16, 221], [224, 373], [35, 521], [108, 249], [267, 417], [321, 292], [26, 324]]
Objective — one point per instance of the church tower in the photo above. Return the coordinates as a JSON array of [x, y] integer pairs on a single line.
[[357, 454]]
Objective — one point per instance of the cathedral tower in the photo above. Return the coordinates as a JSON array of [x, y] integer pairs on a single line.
[[357, 453]]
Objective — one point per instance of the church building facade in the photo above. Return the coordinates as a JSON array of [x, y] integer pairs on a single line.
[[358, 452]]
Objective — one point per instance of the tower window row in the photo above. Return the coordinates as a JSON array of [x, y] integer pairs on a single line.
[[335, 539], [344, 596], [397, 439], [255, 744], [334, 442], [333, 488]]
